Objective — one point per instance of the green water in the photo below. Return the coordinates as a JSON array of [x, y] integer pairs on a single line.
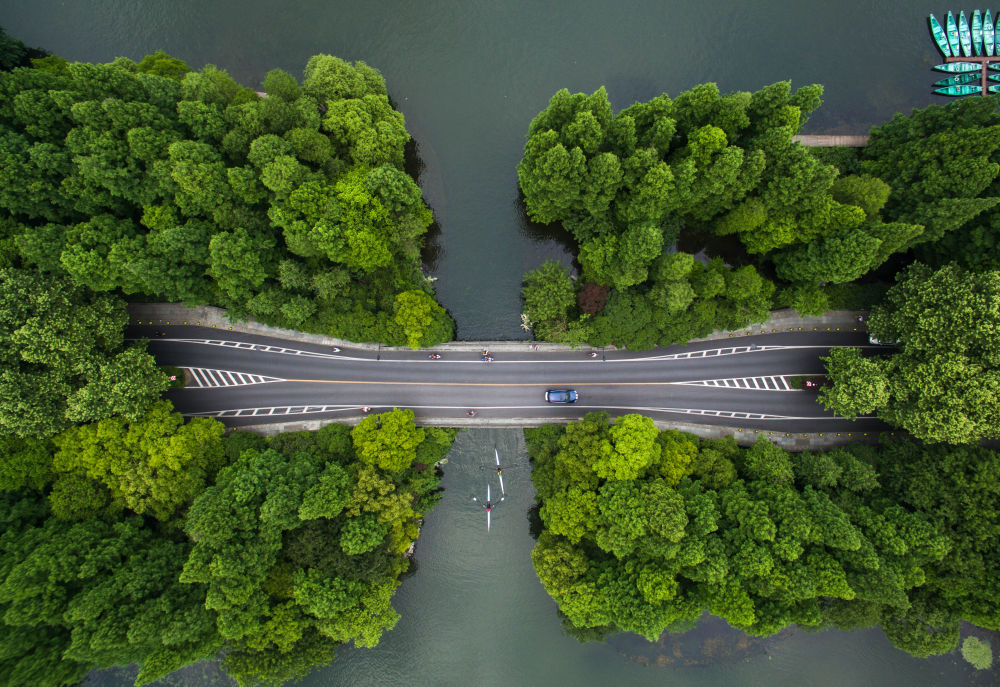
[[469, 76]]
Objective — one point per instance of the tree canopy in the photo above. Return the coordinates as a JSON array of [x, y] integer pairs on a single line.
[[943, 382], [160, 542], [150, 178], [647, 540]]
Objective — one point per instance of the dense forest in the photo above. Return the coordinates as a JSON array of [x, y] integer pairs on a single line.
[[785, 226], [132, 536], [154, 181], [644, 530], [159, 542]]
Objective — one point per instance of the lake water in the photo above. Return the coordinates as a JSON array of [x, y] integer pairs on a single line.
[[469, 76]]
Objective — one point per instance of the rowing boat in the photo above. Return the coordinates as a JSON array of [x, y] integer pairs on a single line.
[[964, 35], [995, 89], [959, 79], [977, 33], [964, 89], [952, 30], [940, 37], [988, 34], [959, 67], [994, 77]]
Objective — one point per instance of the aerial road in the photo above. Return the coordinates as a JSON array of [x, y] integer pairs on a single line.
[[246, 379]]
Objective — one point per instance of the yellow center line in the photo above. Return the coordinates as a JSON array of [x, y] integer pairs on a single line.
[[545, 384]]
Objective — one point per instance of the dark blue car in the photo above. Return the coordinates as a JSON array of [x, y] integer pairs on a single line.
[[561, 396]]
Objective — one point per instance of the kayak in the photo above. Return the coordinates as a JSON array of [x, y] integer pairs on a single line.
[[994, 77], [977, 33], [959, 67], [988, 34], [959, 79], [964, 89], [995, 89], [939, 36], [964, 35], [952, 30]]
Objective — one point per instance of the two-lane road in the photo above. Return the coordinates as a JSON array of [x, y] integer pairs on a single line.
[[245, 379]]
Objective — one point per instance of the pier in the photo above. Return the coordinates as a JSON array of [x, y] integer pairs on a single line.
[[984, 62], [831, 141]]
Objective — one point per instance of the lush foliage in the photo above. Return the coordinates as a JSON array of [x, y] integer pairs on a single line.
[[645, 530], [942, 164], [63, 357], [943, 384], [159, 542], [977, 652], [149, 178], [628, 185]]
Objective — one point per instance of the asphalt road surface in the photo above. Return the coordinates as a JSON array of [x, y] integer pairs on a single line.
[[245, 379]]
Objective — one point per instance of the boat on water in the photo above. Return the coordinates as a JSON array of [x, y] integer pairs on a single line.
[[951, 28], [977, 33], [964, 35], [995, 88], [995, 66], [988, 34], [960, 67], [959, 79], [940, 37], [994, 77], [964, 89]]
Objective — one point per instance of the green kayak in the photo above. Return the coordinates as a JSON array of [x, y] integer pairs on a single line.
[[994, 77], [964, 89], [964, 35], [959, 79], [952, 30], [939, 36], [977, 33], [959, 67], [988, 34], [995, 89]]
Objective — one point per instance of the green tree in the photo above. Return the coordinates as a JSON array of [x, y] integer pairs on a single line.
[[977, 652], [860, 386], [548, 298], [155, 464], [388, 440]]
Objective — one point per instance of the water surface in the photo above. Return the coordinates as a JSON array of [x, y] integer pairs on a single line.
[[469, 76]]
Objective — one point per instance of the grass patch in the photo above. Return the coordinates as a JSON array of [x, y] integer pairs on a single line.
[[176, 374], [808, 382]]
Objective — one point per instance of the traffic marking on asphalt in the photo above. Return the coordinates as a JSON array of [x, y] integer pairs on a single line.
[[261, 348], [768, 383], [206, 378], [279, 411]]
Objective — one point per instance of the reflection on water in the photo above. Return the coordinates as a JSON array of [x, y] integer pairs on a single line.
[[712, 641]]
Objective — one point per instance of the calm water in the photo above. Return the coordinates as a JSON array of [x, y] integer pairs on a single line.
[[469, 77]]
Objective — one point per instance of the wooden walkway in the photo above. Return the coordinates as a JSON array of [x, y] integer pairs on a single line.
[[824, 141]]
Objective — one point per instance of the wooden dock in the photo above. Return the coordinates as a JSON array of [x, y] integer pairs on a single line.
[[831, 141], [984, 61]]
